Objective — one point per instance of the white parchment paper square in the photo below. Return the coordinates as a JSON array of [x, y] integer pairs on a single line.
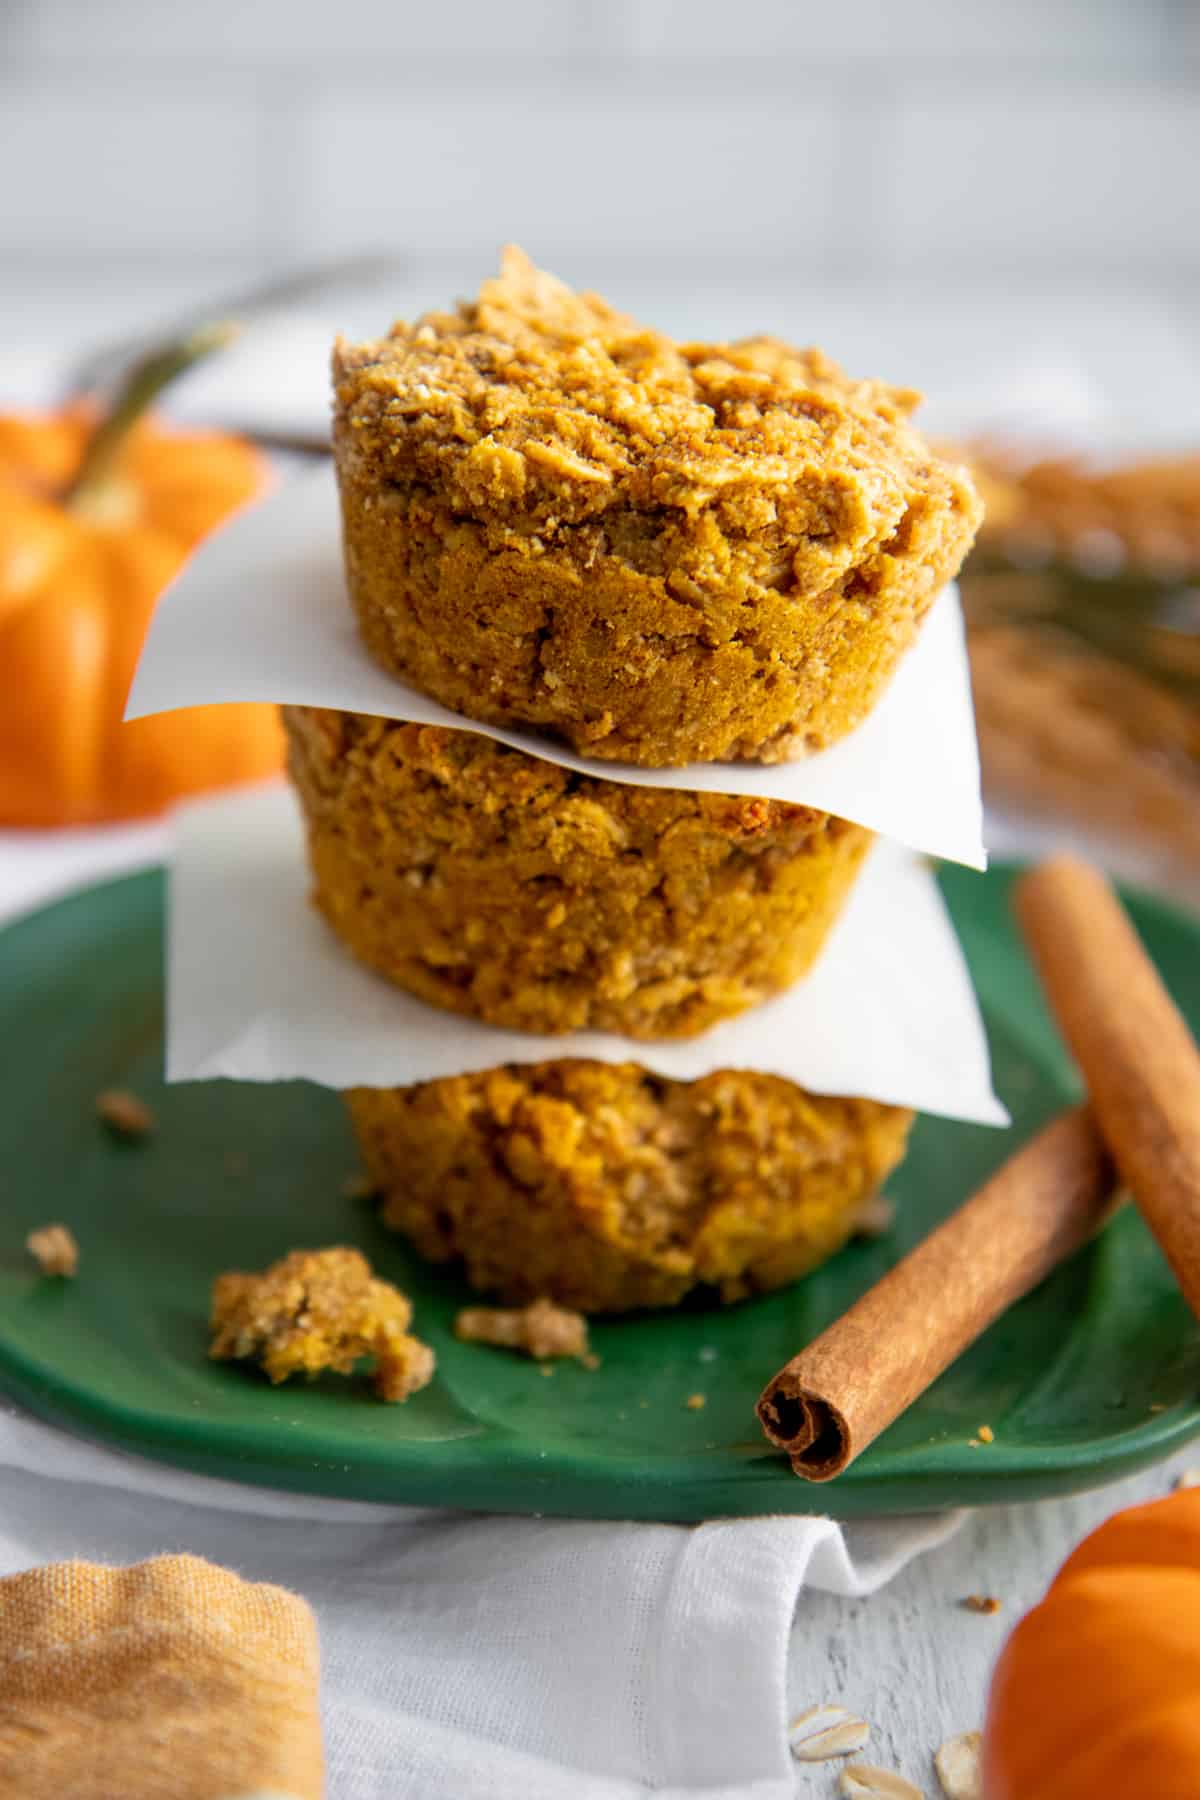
[[261, 613], [259, 988]]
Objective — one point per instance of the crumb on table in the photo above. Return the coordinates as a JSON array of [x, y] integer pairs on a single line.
[[982, 1603], [959, 1765], [541, 1329], [124, 1113], [55, 1249], [315, 1310], [695, 1402], [986, 1435]]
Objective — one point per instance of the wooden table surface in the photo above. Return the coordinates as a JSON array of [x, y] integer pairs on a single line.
[[911, 1659]]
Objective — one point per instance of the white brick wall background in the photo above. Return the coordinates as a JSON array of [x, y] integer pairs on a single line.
[[867, 153]]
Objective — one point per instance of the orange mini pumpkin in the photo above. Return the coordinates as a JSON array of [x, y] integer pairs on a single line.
[[1098, 1689], [94, 522]]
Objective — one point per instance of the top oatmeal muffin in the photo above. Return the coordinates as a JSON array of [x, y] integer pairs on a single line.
[[663, 553]]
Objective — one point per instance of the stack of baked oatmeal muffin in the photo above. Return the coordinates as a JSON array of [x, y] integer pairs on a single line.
[[662, 554]]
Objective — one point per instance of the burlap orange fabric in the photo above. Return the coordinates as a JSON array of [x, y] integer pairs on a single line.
[[172, 1678]]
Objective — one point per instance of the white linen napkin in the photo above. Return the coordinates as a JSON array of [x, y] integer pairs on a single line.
[[493, 1658]]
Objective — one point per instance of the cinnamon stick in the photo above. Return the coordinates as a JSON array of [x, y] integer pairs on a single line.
[[1138, 1057], [835, 1397]]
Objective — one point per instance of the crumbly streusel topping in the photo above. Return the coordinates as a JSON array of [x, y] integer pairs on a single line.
[[540, 408]]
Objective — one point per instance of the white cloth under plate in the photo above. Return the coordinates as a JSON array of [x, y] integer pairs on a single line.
[[259, 989], [261, 613], [491, 1658]]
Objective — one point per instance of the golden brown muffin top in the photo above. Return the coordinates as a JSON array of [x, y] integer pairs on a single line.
[[540, 407]]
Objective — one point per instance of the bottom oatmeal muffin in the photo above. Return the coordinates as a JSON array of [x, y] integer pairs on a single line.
[[604, 1187]]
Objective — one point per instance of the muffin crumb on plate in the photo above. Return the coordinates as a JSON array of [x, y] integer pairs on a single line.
[[124, 1114], [541, 1329], [315, 1310], [54, 1249]]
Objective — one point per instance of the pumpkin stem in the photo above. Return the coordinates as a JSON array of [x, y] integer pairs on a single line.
[[137, 393]]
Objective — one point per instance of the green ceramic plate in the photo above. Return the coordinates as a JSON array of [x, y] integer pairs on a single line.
[[1096, 1373]]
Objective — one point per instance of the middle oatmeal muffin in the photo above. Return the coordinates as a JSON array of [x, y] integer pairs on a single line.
[[493, 883], [664, 553], [604, 1187]]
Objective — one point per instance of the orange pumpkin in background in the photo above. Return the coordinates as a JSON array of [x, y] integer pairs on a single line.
[[1098, 1689], [95, 520]]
